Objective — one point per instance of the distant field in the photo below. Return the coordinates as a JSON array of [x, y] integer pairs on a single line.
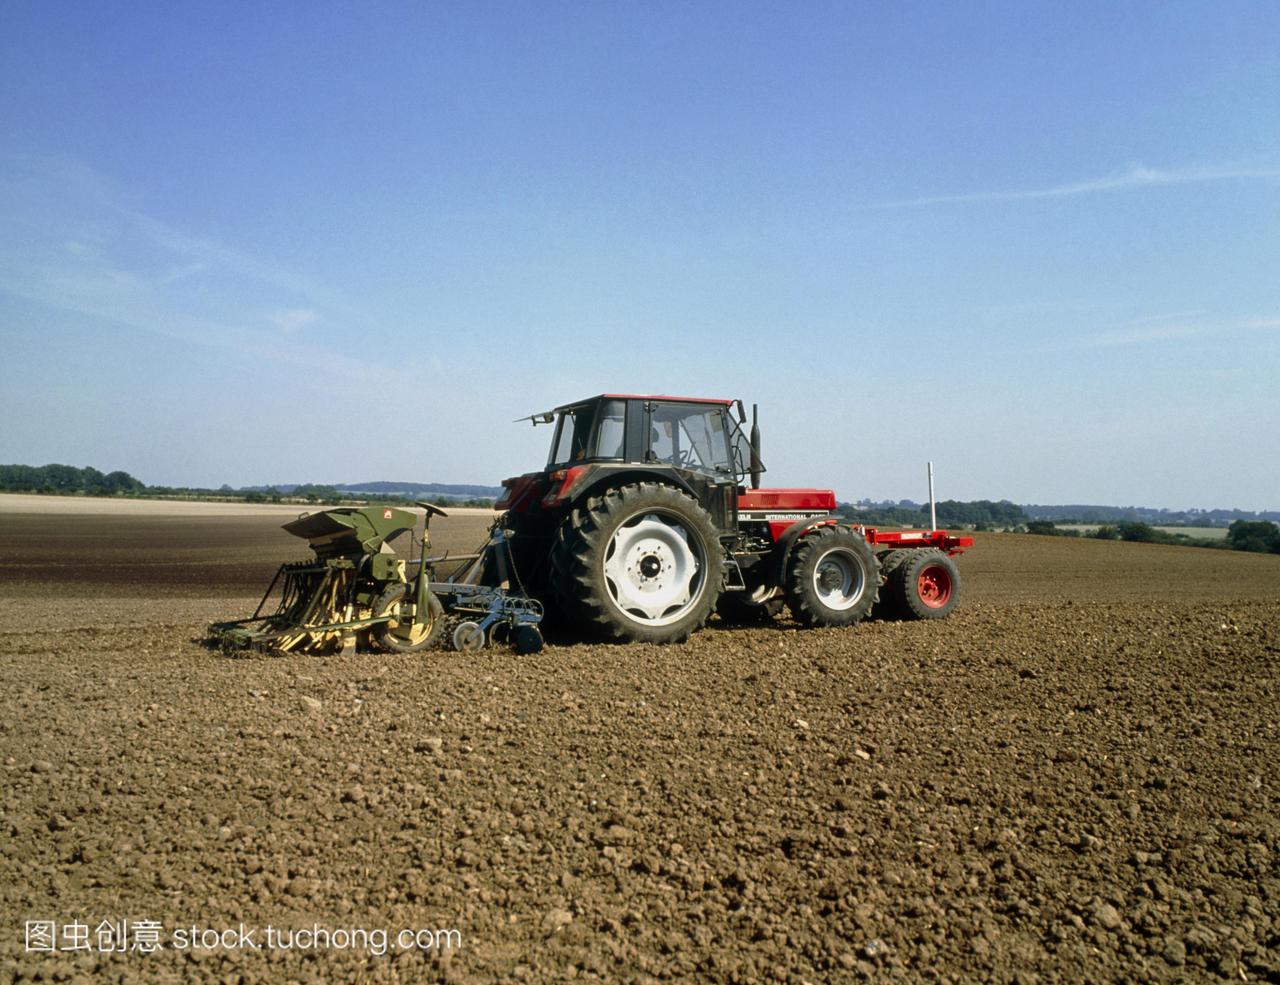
[[1205, 533], [117, 506], [1202, 533], [49, 543]]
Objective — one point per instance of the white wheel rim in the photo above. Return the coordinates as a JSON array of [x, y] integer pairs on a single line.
[[468, 636], [838, 579], [653, 569], [411, 633]]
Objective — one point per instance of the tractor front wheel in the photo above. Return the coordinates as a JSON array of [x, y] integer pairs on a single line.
[[832, 578], [640, 562], [410, 634]]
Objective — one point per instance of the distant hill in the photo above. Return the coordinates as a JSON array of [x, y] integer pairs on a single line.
[[406, 490], [906, 510], [70, 480], [460, 490], [1146, 514]]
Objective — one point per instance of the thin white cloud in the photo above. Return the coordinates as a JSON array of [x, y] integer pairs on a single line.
[[1138, 334], [1136, 177], [208, 254], [120, 298], [293, 319], [1157, 329], [77, 248], [1168, 316]]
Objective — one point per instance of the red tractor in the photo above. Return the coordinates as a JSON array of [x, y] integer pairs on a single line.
[[642, 524]]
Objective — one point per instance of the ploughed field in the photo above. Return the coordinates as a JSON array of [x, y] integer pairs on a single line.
[[1076, 778]]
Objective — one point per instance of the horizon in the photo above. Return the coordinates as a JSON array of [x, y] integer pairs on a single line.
[[878, 501], [1033, 245]]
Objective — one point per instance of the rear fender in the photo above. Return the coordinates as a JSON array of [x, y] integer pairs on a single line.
[[606, 478]]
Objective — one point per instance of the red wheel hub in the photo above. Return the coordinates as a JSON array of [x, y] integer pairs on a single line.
[[933, 585]]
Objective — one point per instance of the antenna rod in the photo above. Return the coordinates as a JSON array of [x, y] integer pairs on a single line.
[[933, 507]]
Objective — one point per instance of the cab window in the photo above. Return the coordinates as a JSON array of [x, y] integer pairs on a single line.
[[692, 437], [573, 433], [610, 440]]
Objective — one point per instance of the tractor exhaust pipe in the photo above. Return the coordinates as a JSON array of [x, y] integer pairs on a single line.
[[756, 465], [933, 506]]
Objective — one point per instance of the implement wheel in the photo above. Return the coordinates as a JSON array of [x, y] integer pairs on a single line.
[[889, 605], [926, 585], [640, 562], [468, 636], [832, 578], [408, 636], [527, 639]]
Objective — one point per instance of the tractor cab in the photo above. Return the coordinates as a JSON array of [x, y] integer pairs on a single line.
[[692, 443], [697, 434]]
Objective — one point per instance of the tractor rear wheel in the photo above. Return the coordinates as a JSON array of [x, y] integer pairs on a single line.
[[640, 562], [832, 578], [409, 635], [926, 585]]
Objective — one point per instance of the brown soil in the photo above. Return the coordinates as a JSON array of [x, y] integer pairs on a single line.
[[1073, 779]]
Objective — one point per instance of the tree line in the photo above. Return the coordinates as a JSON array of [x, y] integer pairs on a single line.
[[1256, 536], [1160, 516], [68, 480], [978, 514]]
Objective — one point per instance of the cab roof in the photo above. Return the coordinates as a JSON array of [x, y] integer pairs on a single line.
[[720, 401]]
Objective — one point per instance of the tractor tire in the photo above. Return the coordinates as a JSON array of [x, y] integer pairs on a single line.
[[833, 578], [641, 562], [407, 637], [926, 585], [889, 605]]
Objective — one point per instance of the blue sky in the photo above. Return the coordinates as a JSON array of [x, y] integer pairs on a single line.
[[1038, 244]]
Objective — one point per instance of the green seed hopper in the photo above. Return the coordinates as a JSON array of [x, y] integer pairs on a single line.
[[357, 592]]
